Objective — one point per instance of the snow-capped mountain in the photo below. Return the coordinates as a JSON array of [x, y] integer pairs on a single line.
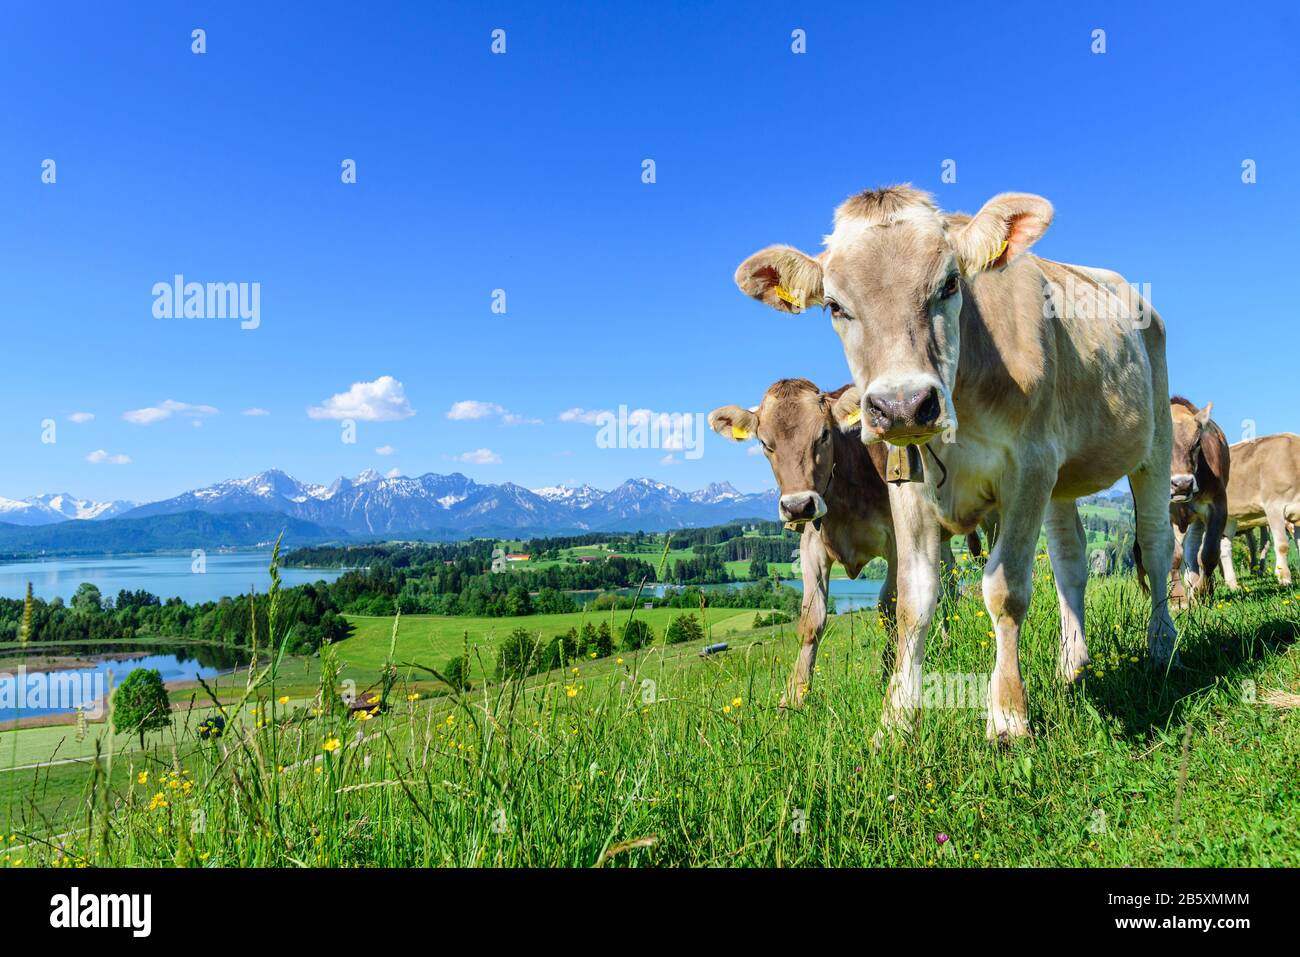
[[454, 506], [582, 497], [58, 507]]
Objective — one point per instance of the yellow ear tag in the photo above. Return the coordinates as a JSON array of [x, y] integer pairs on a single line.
[[738, 433], [997, 255], [854, 417], [783, 293]]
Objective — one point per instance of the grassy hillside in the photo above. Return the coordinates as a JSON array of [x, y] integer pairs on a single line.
[[668, 758]]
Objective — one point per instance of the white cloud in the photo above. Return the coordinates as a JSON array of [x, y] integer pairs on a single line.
[[668, 459], [754, 449], [100, 457], [81, 417], [473, 409], [584, 416], [383, 400], [385, 450], [393, 473], [480, 457], [255, 410], [165, 410]]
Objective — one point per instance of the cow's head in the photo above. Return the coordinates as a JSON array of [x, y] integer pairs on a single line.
[[1189, 428], [793, 424], [892, 277]]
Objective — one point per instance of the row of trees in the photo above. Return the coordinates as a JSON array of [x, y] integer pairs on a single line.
[[522, 653]]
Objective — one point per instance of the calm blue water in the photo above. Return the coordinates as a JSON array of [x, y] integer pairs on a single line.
[[33, 691], [167, 576], [848, 595]]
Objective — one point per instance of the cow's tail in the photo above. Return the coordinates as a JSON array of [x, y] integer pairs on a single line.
[[1141, 572], [974, 545]]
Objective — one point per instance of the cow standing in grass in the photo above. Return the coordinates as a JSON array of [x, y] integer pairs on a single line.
[[833, 490], [1198, 499], [1264, 489], [1047, 382]]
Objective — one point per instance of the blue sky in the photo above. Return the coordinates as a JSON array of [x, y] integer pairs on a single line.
[[522, 172]]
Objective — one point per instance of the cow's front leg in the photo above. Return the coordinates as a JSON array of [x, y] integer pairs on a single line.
[[1008, 585], [815, 564], [1179, 569], [917, 535], [1193, 572], [1211, 545]]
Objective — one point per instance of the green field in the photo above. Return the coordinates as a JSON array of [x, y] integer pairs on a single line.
[[670, 758]]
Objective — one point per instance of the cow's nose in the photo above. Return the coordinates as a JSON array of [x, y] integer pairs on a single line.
[[799, 507], [904, 410], [1182, 485]]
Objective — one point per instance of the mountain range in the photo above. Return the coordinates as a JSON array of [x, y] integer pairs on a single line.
[[430, 506], [58, 507]]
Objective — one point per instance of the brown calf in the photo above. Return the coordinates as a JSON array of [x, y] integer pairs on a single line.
[[1198, 499], [831, 485]]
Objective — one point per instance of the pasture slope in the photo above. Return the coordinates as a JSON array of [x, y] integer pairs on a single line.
[[665, 758]]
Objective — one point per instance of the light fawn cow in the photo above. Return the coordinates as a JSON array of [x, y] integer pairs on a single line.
[[1264, 489], [832, 489], [1198, 500], [1047, 381]]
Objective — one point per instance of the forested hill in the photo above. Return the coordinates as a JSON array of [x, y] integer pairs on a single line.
[[182, 530]]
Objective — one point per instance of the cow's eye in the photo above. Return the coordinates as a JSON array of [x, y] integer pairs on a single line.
[[826, 434], [950, 287], [837, 312]]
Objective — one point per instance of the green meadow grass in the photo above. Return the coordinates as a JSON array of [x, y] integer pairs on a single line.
[[666, 758]]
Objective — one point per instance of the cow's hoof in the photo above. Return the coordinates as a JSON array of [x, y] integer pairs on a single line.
[[1072, 667], [1005, 727]]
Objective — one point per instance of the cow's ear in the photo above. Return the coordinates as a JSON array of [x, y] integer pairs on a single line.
[[1203, 417], [1007, 226], [782, 277], [733, 422], [846, 410]]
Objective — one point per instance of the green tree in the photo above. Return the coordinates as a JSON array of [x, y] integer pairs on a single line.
[[140, 703], [87, 598], [456, 671], [758, 567], [684, 628], [603, 646], [519, 655], [636, 634]]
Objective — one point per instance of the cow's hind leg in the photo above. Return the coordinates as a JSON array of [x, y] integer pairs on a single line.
[[1281, 544], [1150, 486], [1068, 547], [1225, 556]]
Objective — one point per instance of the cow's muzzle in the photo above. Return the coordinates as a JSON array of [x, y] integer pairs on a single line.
[[799, 507], [1182, 488], [904, 417]]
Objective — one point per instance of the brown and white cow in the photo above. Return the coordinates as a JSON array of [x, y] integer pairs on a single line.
[[831, 485], [1264, 489], [1198, 499], [1047, 381]]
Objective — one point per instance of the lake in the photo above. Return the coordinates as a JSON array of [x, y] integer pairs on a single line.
[[849, 595], [167, 576], [32, 689]]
